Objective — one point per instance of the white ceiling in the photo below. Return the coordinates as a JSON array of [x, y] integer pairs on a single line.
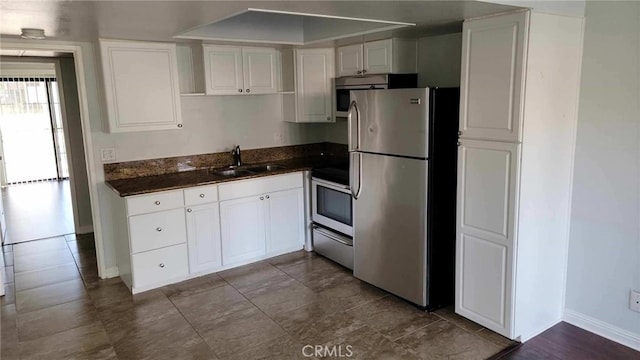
[[161, 20], [269, 26]]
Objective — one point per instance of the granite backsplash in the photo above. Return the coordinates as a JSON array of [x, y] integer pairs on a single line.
[[133, 169]]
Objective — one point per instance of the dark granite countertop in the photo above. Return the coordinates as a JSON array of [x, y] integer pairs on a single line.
[[149, 184]]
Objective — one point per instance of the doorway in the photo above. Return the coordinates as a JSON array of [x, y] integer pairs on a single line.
[[31, 132], [40, 197]]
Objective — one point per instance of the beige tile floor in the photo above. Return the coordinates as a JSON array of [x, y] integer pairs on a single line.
[[52, 208], [57, 308]]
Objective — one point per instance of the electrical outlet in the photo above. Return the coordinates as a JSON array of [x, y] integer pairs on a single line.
[[108, 154], [634, 301]]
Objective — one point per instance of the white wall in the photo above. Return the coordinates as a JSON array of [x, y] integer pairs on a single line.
[[566, 7], [439, 60], [73, 124], [12, 66], [604, 250], [213, 124]]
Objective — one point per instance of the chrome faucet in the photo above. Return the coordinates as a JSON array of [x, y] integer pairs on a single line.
[[237, 161]]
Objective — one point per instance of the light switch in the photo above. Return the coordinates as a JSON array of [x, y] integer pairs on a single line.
[[108, 154]]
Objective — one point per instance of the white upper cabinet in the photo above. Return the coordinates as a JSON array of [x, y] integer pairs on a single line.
[[223, 70], [141, 85], [393, 55], [491, 87], [377, 57], [314, 85], [232, 70], [260, 70], [350, 60]]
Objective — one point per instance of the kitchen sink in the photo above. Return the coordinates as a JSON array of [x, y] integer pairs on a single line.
[[245, 170], [232, 172], [263, 168]]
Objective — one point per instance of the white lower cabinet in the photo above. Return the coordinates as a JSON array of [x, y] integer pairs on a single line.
[[156, 230], [242, 223], [203, 237], [285, 220], [266, 224], [170, 236], [160, 266]]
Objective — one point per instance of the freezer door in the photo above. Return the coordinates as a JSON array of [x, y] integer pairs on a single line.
[[390, 228], [390, 122]]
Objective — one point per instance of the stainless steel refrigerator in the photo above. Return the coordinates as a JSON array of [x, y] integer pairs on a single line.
[[403, 149]]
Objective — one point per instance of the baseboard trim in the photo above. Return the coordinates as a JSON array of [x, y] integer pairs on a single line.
[[111, 273], [606, 330], [84, 229], [539, 331]]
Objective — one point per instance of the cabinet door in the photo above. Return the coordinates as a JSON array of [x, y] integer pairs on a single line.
[[314, 85], [260, 70], [203, 237], [242, 229], [141, 85], [285, 221], [486, 217], [491, 84], [378, 57], [223, 70], [350, 60]]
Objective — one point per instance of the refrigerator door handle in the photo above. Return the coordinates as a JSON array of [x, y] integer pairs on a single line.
[[356, 193], [353, 106]]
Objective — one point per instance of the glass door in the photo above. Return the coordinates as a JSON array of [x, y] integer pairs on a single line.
[[32, 135]]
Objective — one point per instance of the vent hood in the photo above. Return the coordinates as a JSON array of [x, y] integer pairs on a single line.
[[287, 28]]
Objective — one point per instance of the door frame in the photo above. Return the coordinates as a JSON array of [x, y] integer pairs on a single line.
[[75, 48], [60, 83]]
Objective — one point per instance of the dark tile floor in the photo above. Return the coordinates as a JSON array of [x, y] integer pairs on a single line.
[[56, 308]]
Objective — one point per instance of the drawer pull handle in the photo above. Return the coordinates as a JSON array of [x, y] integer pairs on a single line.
[[261, 197], [157, 202], [201, 195], [158, 229], [267, 196], [161, 265], [189, 210]]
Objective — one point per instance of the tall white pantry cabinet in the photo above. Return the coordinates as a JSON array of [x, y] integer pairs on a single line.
[[518, 110]]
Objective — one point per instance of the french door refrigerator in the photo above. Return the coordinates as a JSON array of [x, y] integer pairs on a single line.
[[403, 149]]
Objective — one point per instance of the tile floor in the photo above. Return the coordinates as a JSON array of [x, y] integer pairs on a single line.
[[53, 211], [56, 308]]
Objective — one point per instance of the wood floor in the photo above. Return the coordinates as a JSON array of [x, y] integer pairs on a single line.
[[37, 211], [565, 341]]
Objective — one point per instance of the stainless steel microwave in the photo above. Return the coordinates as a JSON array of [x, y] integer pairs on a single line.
[[366, 82]]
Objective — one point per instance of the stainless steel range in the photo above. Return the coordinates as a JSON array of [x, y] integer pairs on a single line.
[[332, 214]]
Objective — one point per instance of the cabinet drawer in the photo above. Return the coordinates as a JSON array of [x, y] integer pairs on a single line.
[[156, 230], [200, 195], [160, 265], [333, 246], [263, 185], [154, 202]]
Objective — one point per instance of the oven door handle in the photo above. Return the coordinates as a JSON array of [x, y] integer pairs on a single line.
[[330, 185], [330, 236]]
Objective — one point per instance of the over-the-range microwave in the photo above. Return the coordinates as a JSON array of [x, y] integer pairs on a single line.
[[366, 82]]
